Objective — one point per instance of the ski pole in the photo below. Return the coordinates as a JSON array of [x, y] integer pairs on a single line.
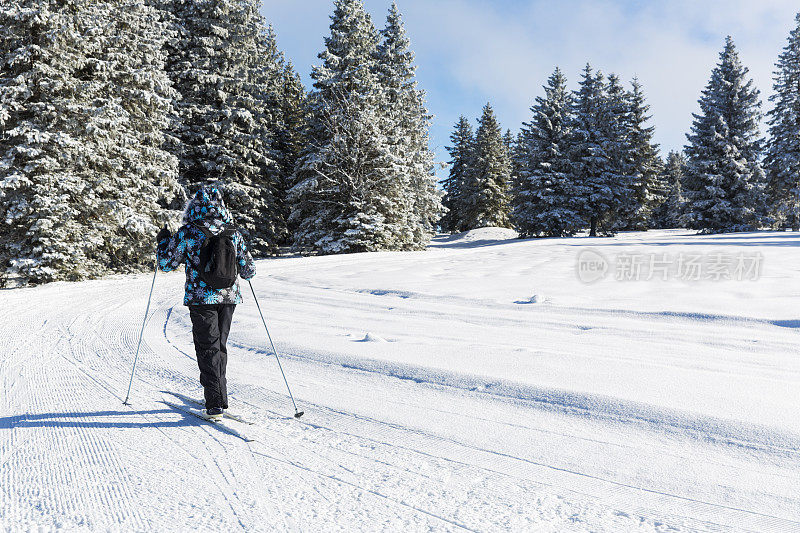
[[141, 334], [297, 414]]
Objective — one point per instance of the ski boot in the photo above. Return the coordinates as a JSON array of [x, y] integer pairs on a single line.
[[214, 413]]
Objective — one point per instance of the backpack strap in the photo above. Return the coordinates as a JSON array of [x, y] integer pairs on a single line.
[[204, 230], [227, 232]]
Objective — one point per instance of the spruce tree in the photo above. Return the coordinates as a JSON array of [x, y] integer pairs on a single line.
[[406, 125], [668, 213], [616, 127], [41, 114], [349, 204], [292, 103], [219, 65], [643, 164], [724, 178], [132, 176], [461, 153], [82, 99], [544, 195], [516, 155], [349, 194], [511, 149], [508, 141], [485, 193], [286, 100], [590, 164], [782, 161]]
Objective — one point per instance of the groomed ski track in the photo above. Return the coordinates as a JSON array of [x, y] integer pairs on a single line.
[[436, 397]]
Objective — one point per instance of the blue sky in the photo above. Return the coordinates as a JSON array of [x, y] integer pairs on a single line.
[[473, 51]]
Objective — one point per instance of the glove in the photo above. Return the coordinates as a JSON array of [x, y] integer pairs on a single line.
[[163, 234]]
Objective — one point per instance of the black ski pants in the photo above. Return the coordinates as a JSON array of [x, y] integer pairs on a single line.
[[210, 327]]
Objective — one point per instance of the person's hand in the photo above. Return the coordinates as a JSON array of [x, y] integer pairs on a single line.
[[163, 234]]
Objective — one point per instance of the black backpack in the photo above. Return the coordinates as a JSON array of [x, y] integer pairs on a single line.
[[218, 265]]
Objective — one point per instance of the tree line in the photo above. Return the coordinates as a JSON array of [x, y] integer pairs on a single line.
[[113, 113], [587, 160]]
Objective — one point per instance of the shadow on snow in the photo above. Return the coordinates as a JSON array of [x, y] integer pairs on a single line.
[[88, 420]]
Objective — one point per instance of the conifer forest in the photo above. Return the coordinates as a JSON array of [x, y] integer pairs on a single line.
[[113, 113]]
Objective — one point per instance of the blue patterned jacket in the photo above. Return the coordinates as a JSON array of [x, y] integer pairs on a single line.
[[208, 209]]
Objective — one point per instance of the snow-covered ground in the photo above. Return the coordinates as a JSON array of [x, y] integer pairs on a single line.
[[479, 385]]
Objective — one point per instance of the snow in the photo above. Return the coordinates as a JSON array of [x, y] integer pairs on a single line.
[[370, 337], [433, 397], [476, 236]]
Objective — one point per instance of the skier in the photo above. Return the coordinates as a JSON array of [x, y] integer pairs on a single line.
[[201, 244]]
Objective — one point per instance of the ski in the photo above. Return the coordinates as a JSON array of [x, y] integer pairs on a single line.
[[226, 414], [216, 423]]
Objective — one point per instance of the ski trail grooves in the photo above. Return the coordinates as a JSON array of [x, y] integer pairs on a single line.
[[72, 480], [477, 414]]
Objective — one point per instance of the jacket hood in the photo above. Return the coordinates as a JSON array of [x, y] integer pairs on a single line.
[[208, 208]]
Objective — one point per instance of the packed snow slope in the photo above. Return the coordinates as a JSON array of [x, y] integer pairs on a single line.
[[479, 385]]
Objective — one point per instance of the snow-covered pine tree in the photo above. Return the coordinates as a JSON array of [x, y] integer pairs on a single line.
[[643, 164], [668, 213], [517, 155], [544, 196], [724, 178], [511, 149], [349, 193], [131, 176], [84, 180], [590, 164], [508, 140], [461, 153], [782, 161], [486, 191], [42, 228], [407, 124], [286, 101], [616, 125], [350, 202], [222, 71]]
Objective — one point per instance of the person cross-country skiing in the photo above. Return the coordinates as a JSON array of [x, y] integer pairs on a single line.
[[213, 251]]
